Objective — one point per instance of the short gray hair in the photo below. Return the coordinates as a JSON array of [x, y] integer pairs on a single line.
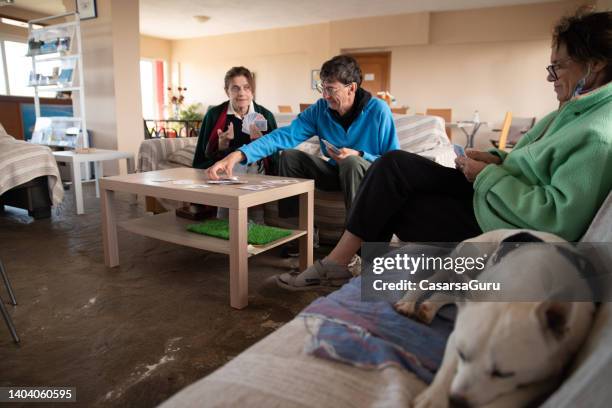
[[341, 68]]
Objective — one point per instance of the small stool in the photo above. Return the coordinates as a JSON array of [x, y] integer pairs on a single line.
[[5, 314]]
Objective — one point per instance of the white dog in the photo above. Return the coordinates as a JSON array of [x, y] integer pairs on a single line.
[[508, 354]]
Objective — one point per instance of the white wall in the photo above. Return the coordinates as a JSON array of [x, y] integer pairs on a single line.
[[281, 60], [489, 77]]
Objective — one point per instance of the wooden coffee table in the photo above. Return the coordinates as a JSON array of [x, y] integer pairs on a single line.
[[168, 227]]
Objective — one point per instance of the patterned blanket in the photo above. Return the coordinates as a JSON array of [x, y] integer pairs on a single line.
[[21, 162], [374, 335]]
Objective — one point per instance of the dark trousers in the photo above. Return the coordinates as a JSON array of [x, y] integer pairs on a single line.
[[414, 198], [346, 176]]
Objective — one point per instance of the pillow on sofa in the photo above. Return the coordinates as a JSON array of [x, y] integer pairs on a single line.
[[184, 156]]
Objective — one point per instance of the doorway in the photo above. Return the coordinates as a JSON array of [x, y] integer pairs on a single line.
[[376, 69]]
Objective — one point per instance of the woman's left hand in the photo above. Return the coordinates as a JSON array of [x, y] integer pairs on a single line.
[[470, 167], [255, 132]]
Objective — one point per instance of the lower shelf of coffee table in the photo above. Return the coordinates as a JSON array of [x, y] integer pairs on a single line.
[[168, 227]]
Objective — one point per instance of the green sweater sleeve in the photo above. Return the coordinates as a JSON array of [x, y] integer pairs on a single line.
[[562, 206]]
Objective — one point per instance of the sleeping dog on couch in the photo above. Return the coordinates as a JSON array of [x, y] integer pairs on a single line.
[[509, 353]]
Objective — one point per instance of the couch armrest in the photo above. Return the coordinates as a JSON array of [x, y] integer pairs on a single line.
[[154, 151]]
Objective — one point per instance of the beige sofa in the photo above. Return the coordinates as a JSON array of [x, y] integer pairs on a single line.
[[424, 135], [276, 372]]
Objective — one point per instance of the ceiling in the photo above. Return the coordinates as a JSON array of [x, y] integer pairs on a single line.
[[49, 7], [174, 19]]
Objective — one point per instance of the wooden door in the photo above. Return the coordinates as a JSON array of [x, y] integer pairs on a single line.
[[376, 69]]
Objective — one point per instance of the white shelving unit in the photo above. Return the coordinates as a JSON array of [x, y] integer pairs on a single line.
[[44, 45]]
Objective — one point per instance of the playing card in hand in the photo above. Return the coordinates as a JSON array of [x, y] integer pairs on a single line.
[[256, 119]]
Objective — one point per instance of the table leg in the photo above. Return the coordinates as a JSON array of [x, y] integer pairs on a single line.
[[239, 276], [131, 169], [306, 222], [472, 135], [467, 137], [98, 171], [109, 228], [78, 186]]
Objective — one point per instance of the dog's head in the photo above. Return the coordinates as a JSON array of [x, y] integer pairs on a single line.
[[504, 346]]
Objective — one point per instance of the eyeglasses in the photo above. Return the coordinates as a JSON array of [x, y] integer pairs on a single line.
[[236, 89], [328, 90], [552, 69]]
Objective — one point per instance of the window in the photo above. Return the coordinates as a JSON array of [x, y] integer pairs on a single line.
[[146, 88], [18, 67], [3, 90], [17, 23], [16, 70], [152, 88]]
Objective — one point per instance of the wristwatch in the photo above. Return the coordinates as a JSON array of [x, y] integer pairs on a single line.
[[360, 153]]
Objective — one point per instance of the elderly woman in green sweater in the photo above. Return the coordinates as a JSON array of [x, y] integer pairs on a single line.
[[554, 180]]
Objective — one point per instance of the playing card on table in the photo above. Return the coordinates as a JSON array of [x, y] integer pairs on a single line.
[[184, 182], [255, 187], [197, 186], [226, 182], [273, 182]]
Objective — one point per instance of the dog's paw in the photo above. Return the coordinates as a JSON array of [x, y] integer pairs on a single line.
[[431, 399], [406, 308], [426, 312]]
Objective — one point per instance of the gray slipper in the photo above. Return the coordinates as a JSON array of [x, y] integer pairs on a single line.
[[318, 275]]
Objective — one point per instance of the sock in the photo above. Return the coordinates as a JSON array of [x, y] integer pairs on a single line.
[[328, 262]]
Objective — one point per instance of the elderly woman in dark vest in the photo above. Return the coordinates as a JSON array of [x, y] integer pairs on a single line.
[[222, 131]]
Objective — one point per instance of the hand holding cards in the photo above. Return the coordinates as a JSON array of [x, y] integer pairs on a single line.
[[254, 118], [459, 150], [330, 147]]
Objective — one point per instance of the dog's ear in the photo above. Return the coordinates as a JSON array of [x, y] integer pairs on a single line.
[[553, 317]]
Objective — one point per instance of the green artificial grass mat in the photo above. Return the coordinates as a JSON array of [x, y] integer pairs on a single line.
[[257, 235]]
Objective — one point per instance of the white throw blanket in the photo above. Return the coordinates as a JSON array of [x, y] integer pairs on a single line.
[[21, 162]]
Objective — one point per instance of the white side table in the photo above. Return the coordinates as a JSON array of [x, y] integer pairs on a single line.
[[97, 156]]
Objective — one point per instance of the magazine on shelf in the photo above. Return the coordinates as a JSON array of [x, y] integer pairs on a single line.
[[65, 77], [50, 73], [58, 131], [49, 40]]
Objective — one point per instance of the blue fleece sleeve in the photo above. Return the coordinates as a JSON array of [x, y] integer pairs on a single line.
[[387, 136], [302, 128]]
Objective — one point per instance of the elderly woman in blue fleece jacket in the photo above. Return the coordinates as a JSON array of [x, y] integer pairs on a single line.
[[347, 116]]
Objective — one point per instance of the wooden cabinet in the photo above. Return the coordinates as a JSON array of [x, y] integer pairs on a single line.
[[12, 112]]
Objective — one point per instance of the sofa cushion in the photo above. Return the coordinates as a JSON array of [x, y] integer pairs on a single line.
[[418, 133], [600, 229], [183, 156]]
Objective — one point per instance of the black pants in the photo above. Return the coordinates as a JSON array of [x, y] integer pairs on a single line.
[[346, 176], [414, 198]]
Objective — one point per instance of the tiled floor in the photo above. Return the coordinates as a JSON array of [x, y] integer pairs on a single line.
[[133, 335]]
